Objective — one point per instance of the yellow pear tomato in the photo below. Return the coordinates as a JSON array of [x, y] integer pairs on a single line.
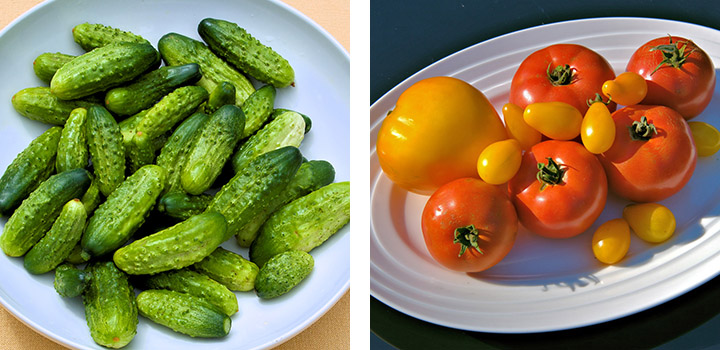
[[611, 241], [706, 138], [500, 161], [556, 120], [436, 133], [598, 128], [517, 128], [626, 89], [652, 222]]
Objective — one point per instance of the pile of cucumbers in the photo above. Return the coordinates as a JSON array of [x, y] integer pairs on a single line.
[[148, 168]]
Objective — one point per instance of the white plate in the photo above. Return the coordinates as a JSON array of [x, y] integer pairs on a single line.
[[544, 284], [322, 92]]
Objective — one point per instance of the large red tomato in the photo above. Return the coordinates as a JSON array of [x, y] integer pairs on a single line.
[[560, 189], [679, 74], [469, 225], [645, 165], [563, 72]]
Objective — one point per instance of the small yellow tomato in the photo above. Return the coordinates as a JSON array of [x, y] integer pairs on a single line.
[[652, 222], [611, 241], [556, 120], [598, 128], [626, 89], [517, 128], [706, 138], [500, 161]]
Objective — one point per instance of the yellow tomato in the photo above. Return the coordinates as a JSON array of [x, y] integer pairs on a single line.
[[626, 89], [556, 120], [611, 241], [598, 128], [500, 161], [652, 222], [706, 138], [517, 128], [436, 133]]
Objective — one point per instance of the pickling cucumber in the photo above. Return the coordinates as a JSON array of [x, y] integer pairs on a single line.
[[172, 109], [180, 205], [257, 108], [282, 273], [286, 130], [70, 281], [223, 94], [183, 313], [173, 154], [48, 63], [72, 149], [278, 111], [93, 35], [230, 269], [106, 149], [37, 103]]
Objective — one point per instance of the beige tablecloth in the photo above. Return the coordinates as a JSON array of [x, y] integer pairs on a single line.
[[332, 331]]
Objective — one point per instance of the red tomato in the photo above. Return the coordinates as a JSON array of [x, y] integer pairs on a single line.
[[563, 72], [571, 195], [684, 83], [469, 225], [653, 169]]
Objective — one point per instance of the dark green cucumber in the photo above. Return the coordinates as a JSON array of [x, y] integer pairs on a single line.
[[37, 103], [194, 283], [304, 223], [101, 69], [245, 52], [285, 130], [34, 217], [70, 281], [278, 111], [29, 169], [172, 109], [182, 206], [124, 211], [173, 248], [72, 150], [92, 197], [57, 243], [252, 190], [282, 273], [144, 92], [174, 154], [110, 308], [93, 35], [230, 269], [48, 63], [258, 108], [184, 313], [106, 149], [212, 149], [177, 49], [223, 94]]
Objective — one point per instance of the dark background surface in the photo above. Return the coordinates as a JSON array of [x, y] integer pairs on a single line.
[[407, 36]]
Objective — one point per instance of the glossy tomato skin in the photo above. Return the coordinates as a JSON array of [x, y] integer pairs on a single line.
[[652, 170], [687, 89], [530, 83], [464, 202], [569, 208]]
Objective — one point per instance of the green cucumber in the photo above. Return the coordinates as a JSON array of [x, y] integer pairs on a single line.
[[173, 248], [172, 109], [184, 313], [70, 281], [285, 130], [124, 211], [106, 149], [223, 94], [92, 197], [76, 256], [72, 149], [232, 270], [101, 69], [194, 283], [29, 169], [278, 111], [37, 103], [90, 36], [304, 223], [110, 308], [245, 52], [282, 273], [34, 217], [48, 63], [174, 154], [258, 108], [252, 190], [212, 149], [182, 206], [57, 243]]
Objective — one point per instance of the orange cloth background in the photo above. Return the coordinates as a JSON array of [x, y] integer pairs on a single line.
[[332, 331]]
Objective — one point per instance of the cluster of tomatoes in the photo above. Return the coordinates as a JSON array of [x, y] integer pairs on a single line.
[[562, 147]]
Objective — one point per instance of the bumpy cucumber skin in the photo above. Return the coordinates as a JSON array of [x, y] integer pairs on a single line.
[[194, 283], [70, 281], [212, 149], [34, 217], [251, 191], [230, 269], [72, 151], [304, 223], [173, 248], [258, 108], [29, 169], [184, 313], [92, 198], [93, 35], [101, 69], [106, 149], [57, 243], [110, 308], [174, 154], [282, 273], [177, 49], [150, 88], [37, 103], [124, 211], [285, 130], [278, 111], [245, 52], [48, 63], [223, 94], [172, 109], [182, 206]]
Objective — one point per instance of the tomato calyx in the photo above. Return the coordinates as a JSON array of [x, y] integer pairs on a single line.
[[598, 99], [642, 130], [561, 75], [549, 174], [672, 54], [467, 236]]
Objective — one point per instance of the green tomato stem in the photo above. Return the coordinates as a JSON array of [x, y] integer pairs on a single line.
[[672, 54], [642, 130], [561, 75], [550, 173], [467, 237]]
